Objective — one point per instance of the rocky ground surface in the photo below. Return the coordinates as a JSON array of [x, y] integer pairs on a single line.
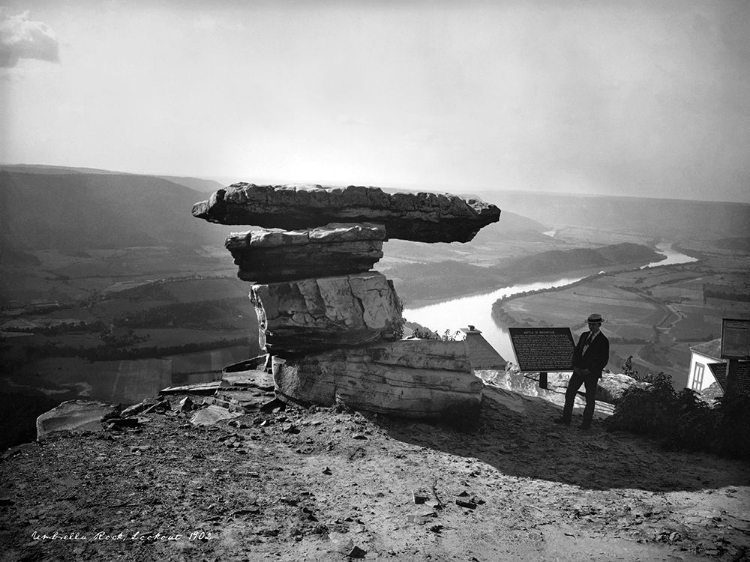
[[294, 484]]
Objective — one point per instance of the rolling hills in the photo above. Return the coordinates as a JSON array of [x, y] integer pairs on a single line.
[[81, 211]]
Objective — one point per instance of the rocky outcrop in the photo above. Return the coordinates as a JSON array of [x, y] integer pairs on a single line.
[[326, 321], [324, 313], [280, 255], [422, 217], [612, 386], [410, 378]]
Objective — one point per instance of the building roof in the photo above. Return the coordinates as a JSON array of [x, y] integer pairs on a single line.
[[719, 371], [709, 349], [481, 354], [742, 375]]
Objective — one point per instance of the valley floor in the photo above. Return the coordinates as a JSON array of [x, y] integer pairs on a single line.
[[322, 484]]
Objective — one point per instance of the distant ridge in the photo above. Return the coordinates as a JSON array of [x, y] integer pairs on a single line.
[[440, 279], [675, 219], [198, 184], [72, 210], [45, 169], [55, 206]]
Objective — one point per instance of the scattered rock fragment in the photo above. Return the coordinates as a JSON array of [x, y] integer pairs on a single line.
[[340, 542], [421, 518], [185, 405], [160, 407], [466, 504], [211, 415], [356, 552], [419, 497], [136, 409], [119, 423], [73, 415], [274, 405]]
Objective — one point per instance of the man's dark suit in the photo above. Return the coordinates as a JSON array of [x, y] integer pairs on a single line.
[[594, 358]]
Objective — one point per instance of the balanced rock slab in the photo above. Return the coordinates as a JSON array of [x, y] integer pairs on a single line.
[[422, 379], [421, 217], [324, 313], [280, 255]]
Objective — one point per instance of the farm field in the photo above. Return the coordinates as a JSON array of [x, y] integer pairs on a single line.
[[72, 276], [123, 382], [106, 324], [653, 315]]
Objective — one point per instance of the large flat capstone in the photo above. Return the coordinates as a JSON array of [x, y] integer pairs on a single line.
[[421, 379], [315, 314], [280, 255], [422, 217]]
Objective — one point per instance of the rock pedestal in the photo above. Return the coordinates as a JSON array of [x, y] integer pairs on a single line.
[[310, 315], [328, 321], [409, 378]]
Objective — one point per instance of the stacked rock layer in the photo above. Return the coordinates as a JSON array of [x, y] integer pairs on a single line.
[[331, 324]]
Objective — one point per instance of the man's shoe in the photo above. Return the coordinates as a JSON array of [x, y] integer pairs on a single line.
[[562, 421]]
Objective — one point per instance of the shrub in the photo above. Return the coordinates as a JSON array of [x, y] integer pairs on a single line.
[[681, 420], [733, 426]]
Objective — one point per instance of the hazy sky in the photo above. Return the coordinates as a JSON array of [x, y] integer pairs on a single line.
[[614, 97]]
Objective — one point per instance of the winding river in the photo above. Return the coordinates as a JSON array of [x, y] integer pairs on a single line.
[[458, 313]]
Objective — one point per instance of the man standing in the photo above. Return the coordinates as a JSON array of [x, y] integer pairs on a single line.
[[589, 358]]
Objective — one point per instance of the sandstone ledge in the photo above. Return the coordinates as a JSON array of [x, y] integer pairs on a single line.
[[422, 217], [420, 379], [280, 255], [310, 315]]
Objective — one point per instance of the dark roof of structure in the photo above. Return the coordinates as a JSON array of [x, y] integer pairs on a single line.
[[709, 349], [719, 371], [481, 353]]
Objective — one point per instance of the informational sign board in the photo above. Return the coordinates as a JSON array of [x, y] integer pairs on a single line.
[[735, 339], [543, 349]]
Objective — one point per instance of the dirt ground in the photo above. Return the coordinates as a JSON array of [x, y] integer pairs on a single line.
[[324, 484]]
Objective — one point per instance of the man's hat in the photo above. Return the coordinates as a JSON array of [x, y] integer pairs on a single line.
[[595, 319]]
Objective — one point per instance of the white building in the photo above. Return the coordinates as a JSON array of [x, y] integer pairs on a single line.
[[702, 355]]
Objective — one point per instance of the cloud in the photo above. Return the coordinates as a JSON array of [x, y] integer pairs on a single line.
[[22, 38]]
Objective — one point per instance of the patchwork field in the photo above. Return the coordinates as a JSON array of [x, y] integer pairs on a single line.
[[119, 325], [653, 315]]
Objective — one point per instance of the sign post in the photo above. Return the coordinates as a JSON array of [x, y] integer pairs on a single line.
[[735, 345], [543, 350]]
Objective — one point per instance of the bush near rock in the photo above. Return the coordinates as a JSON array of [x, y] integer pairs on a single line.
[[682, 420]]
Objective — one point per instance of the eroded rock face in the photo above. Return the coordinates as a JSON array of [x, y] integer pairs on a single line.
[[315, 314], [422, 217], [411, 378], [279, 255]]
